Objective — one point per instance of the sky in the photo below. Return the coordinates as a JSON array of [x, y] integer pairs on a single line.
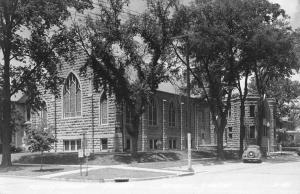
[[292, 8]]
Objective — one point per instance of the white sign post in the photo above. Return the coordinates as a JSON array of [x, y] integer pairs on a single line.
[[80, 156], [189, 152], [80, 153], [87, 154]]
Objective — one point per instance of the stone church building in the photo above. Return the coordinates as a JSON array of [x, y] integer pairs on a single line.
[[82, 117]]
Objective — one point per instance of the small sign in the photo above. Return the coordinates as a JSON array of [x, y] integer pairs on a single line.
[[87, 152], [80, 153]]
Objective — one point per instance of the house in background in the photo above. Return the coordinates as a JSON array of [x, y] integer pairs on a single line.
[[294, 137], [82, 116], [20, 115]]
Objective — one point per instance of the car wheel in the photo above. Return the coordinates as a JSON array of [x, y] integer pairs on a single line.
[[245, 161]]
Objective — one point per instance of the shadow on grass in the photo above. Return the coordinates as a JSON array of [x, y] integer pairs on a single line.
[[49, 158], [282, 159], [145, 157], [212, 162], [49, 170], [112, 158], [10, 168]]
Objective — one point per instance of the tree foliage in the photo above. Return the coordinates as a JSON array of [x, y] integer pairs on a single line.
[[33, 43], [39, 140], [229, 40], [127, 57], [213, 40], [284, 91]]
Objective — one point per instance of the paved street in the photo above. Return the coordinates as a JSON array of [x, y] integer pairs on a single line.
[[226, 178]]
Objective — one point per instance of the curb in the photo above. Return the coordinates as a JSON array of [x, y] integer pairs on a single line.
[[122, 180], [116, 180]]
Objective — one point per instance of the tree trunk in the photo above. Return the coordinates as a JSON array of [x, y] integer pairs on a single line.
[[242, 128], [134, 135], [220, 150], [220, 124], [134, 146], [6, 128]]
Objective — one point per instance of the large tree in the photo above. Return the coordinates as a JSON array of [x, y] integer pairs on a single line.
[[210, 36], [31, 40], [254, 13], [273, 57], [219, 37], [127, 56]]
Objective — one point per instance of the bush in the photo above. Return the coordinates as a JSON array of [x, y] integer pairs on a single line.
[[14, 149], [292, 144]]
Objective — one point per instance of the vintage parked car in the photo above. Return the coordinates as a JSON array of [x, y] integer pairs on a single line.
[[252, 153]]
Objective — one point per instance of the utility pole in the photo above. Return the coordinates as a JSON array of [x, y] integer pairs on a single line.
[[188, 85]]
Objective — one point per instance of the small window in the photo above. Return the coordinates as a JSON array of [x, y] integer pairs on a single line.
[[252, 111], [152, 114], [153, 144], [103, 109], [104, 143], [252, 132], [78, 144], [172, 143], [230, 133], [229, 113], [171, 115], [72, 145], [265, 131], [202, 136], [66, 145], [128, 144]]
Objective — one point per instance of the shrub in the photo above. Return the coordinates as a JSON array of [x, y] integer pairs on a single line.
[[14, 149]]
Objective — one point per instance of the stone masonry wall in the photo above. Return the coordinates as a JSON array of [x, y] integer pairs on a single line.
[[73, 128]]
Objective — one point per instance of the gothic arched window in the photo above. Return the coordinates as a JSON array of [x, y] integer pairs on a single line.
[[72, 97]]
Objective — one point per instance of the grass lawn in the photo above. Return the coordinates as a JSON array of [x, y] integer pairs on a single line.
[[33, 170], [112, 173], [24, 163]]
